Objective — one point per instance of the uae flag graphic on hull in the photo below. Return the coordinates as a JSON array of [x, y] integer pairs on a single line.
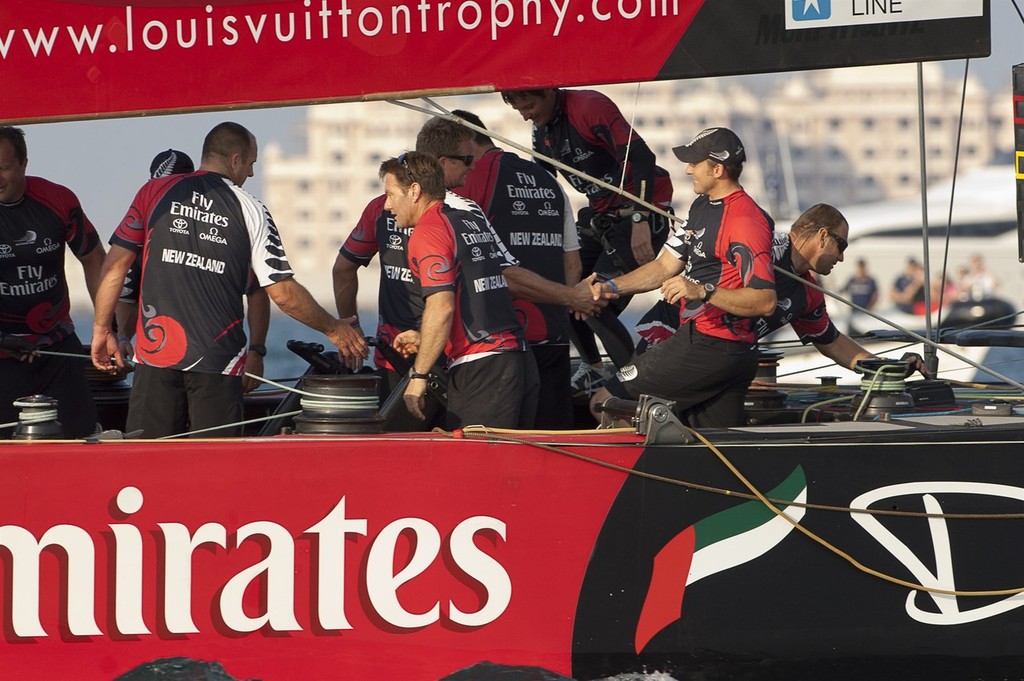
[[719, 542]]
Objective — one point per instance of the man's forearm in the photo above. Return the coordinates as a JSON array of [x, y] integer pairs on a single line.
[[295, 301], [438, 312], [525, 284], [646, 277]]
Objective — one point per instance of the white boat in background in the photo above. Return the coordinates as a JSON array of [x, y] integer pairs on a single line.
[[983, 222]]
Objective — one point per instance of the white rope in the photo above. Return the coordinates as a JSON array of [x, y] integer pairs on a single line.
[[629, 140]]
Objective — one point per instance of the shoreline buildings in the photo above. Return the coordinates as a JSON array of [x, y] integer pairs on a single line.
[[842, 136]]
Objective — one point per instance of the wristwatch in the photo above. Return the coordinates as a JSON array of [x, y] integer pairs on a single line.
[[413, 375], [639, 217], [709, 289], [260, 350]]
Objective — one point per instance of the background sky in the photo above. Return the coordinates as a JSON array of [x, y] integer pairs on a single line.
[[105, 162]]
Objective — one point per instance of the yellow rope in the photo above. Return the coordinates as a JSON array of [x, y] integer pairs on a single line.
[[482, 433]]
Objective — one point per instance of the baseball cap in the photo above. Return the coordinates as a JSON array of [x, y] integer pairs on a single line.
[[716, 144], [170, 162]]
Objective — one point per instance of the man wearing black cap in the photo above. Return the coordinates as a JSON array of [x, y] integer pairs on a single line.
[[724, 253], [813, 246]]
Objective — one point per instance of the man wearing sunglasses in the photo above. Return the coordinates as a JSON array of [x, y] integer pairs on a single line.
[[814, 245], [530, 212]]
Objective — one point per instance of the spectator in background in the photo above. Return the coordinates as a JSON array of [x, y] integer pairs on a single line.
[[908, 290], [978, 283], [39, 222], [863, 291]]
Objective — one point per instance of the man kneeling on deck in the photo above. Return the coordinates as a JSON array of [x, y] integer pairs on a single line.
[[468, 313], [814, 245]]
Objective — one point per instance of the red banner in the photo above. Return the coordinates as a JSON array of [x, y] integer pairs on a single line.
[[310, 558], [76, 59], [99, 58]]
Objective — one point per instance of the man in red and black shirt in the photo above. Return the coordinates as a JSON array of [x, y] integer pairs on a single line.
[[724, 251], [814, 245], [585, 130], [200, 235], [39, 221], [399, 299], [468, 313], [530, 212]]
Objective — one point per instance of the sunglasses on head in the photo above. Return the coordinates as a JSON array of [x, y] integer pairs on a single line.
[[403, 160]]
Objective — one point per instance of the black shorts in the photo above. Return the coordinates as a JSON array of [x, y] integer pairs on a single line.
[[168, 402], [499, 391], [707, 377], [554, 405]]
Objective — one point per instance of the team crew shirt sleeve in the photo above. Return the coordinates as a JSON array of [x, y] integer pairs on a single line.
[[361, 245], [570, 235]]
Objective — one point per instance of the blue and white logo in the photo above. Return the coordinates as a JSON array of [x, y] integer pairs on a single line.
[[811, 10]]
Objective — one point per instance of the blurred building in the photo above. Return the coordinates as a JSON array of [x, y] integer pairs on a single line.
[[843, 136]]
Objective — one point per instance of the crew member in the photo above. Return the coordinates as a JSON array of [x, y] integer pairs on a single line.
[[814, 245], [585, 130], [724, 249], [530, 211], [468, 311], [39, 220], [200, 235]]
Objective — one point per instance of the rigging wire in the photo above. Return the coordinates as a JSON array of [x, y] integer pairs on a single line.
[[439, 110], [952, 195], [629, 140], [921, 339]]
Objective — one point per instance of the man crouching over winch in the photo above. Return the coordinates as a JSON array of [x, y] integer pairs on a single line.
[[814, 245]]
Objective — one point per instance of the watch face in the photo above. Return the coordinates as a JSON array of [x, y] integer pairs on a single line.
[[638, 217]]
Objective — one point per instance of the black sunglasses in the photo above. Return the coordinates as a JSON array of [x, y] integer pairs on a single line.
[[466, 160], [841, 243]]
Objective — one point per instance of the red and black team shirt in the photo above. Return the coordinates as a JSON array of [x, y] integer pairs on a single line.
[[800, 306], [727, 243], [455, 249], [200, 235], [399, 301], [531, 214], [797, 305], [34, 234], [588, 132]]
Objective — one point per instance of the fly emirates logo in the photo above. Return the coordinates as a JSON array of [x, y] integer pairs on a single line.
[[387, 567]]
